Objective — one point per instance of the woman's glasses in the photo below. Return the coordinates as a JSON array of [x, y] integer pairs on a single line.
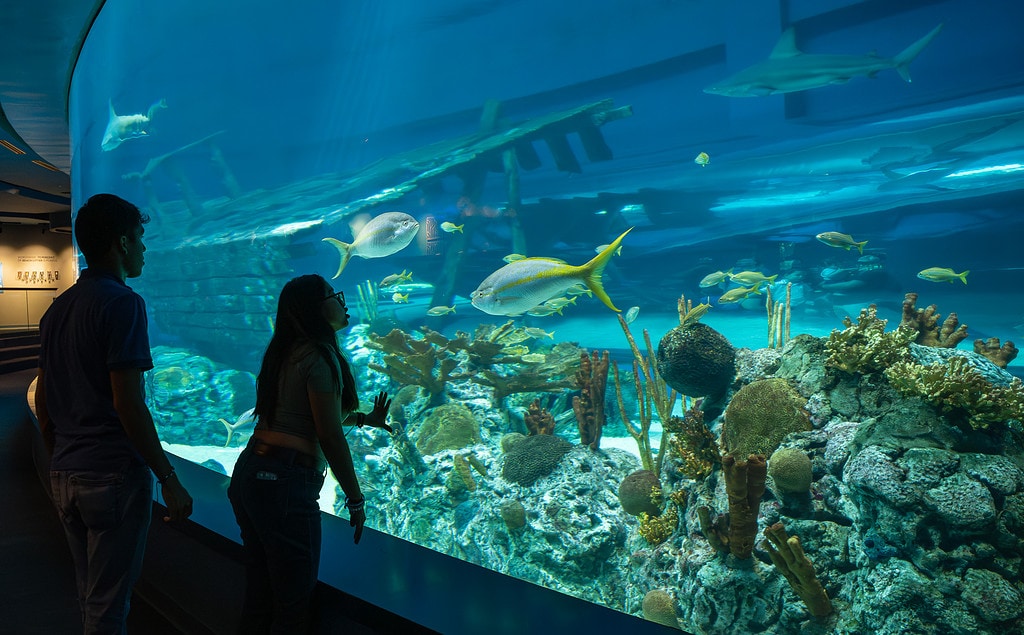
[[340, 296]]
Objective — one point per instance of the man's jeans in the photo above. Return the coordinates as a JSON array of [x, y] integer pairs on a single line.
[[106, 518], [277, 511]]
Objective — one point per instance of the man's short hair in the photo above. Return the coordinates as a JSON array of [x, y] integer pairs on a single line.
[[102, 221]]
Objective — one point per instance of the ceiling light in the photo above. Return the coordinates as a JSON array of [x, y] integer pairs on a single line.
[[44, 164], [10, 146]]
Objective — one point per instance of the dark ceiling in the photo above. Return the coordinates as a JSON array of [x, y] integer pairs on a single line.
[[37, 56]]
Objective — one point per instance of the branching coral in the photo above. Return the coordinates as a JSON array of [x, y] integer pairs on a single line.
[[1001, 356], [592, 378], [744, 485], [420, 362], [657, 529], [652, 393], [865, 347], [693, 443], [789, 558], [959, 390], [926, 323], [538, 420]]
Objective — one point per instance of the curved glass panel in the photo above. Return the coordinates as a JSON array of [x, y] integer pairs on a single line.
[[728, 182]]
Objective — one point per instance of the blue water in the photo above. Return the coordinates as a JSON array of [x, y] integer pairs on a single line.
[[929, 173]]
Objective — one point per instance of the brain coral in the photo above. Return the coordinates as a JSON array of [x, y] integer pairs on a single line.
[[635, 493], [659, 606], [448, 427], [696, 360], [533, 457], [790, 468], [761, 414]]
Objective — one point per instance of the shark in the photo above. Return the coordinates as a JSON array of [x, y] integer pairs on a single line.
[[121, 128], [790, 70]]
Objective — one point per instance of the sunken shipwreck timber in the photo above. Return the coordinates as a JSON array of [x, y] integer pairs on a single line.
[[221, 262]]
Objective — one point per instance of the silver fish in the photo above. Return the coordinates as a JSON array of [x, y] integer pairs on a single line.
[[382, 236], [631, 314]]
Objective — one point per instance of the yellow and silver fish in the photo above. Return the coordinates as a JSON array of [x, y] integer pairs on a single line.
[[735, 295], [401, 298], [452, 227], [542, 310], [558, 303], [752, 277], [703, 159], [382, 236], [396, 278], [631, 314], [600, 248], [440, 310], [579, 289], [533, 331], [520, 286], [716, 278], [843, 241], [942, 274], [695, 314], [514, 257]]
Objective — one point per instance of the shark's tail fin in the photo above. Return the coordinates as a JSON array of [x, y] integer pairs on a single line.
[[904, 58], [344, 249]]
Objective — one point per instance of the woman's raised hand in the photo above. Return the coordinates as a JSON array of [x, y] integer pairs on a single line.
[[378, 418]]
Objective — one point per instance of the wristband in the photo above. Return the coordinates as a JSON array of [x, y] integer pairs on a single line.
[[163, 479], [360, 419], [355, 506]]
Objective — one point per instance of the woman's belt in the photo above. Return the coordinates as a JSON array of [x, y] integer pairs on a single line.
[[288, 456]]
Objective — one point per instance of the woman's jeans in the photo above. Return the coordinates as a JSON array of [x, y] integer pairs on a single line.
[[106, 518], [277, 511]]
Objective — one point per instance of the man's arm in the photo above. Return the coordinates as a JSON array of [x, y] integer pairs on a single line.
[[130, 404], [43, 414]]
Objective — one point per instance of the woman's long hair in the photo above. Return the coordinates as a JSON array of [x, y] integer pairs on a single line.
[[300, 319]]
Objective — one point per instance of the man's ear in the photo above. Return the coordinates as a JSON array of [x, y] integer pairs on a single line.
[[123, 244]]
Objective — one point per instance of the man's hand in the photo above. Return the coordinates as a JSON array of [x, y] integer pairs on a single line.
[[177, 499], [357, 519]]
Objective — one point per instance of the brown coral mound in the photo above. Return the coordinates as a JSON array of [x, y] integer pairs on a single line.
[[926, 323], [696, 360]]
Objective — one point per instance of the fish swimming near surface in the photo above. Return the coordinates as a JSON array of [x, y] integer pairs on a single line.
[[121, 128], [451, 227], [702, 159], [384, 235], [942, 274], [440, 310], [843, 241], [520, 286], [789, 70]]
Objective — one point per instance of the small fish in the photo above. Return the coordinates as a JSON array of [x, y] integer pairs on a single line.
[[579, 289], [401, 298], [533, 331], [451, 227], [533, 358], [942, 274], [695, 314], [440, 310], [514, 257], [558, 303], [716, 278], [843, 241], [702, 159], [631, 314], [382, 236], [515, 350], [543, 311], [520, 286], [735, 295], [396, 278], [600, 248], [245, 420], [753, 277]]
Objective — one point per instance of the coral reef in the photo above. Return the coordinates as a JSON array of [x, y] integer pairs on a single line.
[[960, 391], [419, 362], [926, 323], [865, 347], [448, 427], [1001, 356], [640, 493], [744, 485], [533, 457], [538, 420], [789, 558], [659, 606], [592, 378], [760, 415], [696, 360], [692, 442], [791, 472], [657, 529]]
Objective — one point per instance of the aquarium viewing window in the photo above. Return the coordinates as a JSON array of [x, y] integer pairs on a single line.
[[660, 294]]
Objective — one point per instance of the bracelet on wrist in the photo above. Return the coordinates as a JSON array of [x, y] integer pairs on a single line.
[[163, 479], [355, 505]]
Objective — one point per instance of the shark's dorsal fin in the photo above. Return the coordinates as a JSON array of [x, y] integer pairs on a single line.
[[786, 46]]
